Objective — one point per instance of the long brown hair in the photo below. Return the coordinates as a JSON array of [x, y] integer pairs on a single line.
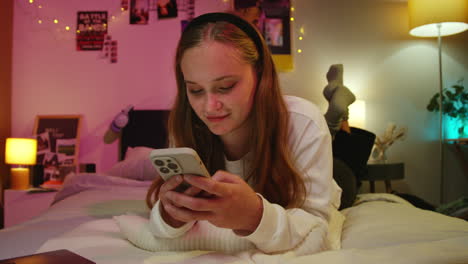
[[273, 173]]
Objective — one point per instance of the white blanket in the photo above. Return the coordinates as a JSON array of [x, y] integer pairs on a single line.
[[382, 228]]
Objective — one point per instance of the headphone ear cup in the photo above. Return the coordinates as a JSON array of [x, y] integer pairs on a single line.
[[119, 122]]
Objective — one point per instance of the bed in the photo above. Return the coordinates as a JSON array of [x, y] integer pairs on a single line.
[[96, 214]]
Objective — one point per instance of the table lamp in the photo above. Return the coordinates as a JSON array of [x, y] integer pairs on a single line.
[[438, 18], [20, 153]]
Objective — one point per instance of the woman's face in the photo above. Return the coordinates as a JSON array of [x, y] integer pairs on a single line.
[[220, 87]]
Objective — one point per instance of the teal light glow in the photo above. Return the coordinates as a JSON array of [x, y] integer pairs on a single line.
[[451, 128]]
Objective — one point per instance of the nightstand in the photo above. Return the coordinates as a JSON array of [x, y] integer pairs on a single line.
[[384, 172], [21, 205]]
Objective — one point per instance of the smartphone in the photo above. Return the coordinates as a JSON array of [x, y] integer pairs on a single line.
[[174, 161]]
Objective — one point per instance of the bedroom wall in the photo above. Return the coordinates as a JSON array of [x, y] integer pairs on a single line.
[[6, 27], [394, 73]]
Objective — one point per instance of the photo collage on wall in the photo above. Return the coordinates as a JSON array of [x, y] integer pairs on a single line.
[[92, 26], [141, 10], [272, 17]]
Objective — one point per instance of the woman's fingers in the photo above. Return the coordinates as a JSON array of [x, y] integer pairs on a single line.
[[186, 215], [192, 191], [171, 184], [193, 203], [218, 185]]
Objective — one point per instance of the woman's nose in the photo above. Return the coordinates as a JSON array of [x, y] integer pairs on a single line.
[[213, 103]]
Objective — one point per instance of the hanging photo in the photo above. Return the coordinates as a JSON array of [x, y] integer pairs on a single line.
[[139, 12], [276, 25], [274, 32], [113, 51], [90, 30], [167, 9], [105, 52]]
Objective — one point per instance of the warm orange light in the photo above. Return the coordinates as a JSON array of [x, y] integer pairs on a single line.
[[20, 151], [19, 178], [357, 114], [426, 17]]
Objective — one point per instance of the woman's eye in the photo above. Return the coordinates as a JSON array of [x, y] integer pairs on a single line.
[[226, 88], [195, 91]]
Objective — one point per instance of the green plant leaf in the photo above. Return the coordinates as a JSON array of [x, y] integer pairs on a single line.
[[454, 101]]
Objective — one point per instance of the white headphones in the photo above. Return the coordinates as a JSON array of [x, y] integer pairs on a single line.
[[121, 119]]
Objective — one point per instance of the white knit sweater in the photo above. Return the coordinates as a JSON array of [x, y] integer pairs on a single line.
[[304, 230]]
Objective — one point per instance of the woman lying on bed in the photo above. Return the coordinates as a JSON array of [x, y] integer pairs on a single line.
[[269, 155]]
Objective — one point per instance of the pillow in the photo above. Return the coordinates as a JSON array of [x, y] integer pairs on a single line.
[[136, 165]]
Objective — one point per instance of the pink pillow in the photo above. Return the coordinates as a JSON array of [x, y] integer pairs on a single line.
[[136, 165]]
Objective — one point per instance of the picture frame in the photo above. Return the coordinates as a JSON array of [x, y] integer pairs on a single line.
[[58, 146], [277, 34]]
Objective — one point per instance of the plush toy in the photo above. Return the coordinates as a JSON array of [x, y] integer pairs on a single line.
[[339, 97]]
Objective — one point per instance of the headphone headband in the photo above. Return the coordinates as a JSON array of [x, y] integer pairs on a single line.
[[245, 26]]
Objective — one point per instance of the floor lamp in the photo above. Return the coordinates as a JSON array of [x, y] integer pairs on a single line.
[[438, 18]]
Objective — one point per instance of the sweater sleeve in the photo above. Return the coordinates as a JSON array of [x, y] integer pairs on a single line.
[[304, 229], [161, 229]]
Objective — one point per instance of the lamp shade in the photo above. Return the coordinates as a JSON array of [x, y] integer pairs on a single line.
[[21, 151], [426, 15]]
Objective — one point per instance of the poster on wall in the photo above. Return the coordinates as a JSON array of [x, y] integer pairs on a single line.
[[167, 9], [139, 12], [91, 28], [272, 17], [276, 28], [57, 146]]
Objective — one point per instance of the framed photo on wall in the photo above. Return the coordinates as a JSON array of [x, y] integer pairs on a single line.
[[58, 144]]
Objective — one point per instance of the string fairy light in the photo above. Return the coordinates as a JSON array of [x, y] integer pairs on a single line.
[[40, 13], [301, 30]]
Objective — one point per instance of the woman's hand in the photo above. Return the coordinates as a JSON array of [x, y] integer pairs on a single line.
[[170, 186], [232, 204]]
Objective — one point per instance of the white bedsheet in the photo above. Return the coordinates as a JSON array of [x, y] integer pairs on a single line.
[[381, 228]]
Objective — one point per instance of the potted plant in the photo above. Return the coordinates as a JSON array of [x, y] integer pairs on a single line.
[[454, 104]]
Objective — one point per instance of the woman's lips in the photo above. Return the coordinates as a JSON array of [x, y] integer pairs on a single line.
[[217, 118]]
